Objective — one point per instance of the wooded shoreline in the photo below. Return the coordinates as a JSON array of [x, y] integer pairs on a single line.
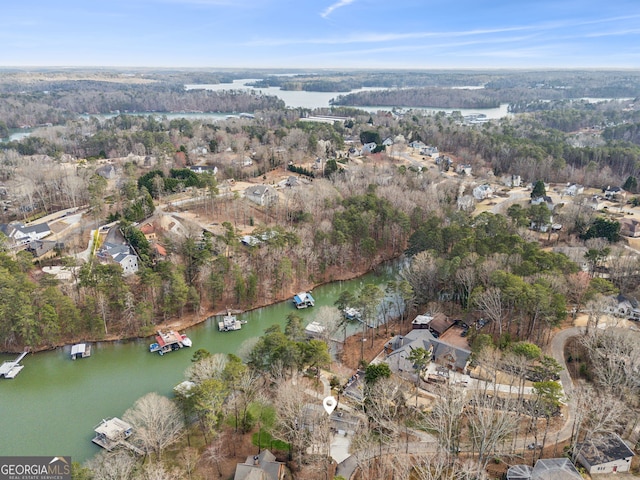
[[193, 319]]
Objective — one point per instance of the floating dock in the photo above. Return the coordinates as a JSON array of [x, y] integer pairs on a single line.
[[11, 369]]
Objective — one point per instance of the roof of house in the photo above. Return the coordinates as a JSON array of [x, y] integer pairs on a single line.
[[621, 299], [8, 228], [605, 450], [425, 339], [37, 228], [259, 467], [40, 247], [106, 170], [439, 322], [147, 228], [258, 190]]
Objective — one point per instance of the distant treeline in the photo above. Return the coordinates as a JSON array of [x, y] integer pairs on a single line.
[[68, 99], [421, 97]]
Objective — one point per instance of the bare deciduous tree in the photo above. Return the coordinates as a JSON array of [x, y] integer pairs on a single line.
[[214, 454], [291, 413], [157, 423], [116, 465], [490, 302], [490, 421], [207, 368], [597, 412]]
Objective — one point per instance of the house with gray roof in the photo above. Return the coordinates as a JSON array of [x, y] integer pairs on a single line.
[[123, 255], [260, 467], [369, 147], [21, 234], [261, 194], [399, 348], [605, 455], [107, 171], [482, 191]]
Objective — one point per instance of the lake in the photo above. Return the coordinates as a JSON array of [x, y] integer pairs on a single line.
[[53, 405]]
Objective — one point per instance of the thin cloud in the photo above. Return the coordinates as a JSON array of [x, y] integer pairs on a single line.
[[331, 8], [393, 37]]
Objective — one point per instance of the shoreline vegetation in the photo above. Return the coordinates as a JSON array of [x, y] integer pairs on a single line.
[[196, 318]]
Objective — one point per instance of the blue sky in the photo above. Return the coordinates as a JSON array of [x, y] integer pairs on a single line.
[[420, 34]]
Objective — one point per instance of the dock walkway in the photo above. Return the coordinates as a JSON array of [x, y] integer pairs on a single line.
[[12, 368], [131, 447]]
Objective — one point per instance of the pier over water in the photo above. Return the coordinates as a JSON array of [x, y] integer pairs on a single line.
[[11, 369]]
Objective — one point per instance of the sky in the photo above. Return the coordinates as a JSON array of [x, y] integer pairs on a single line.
[[321, 34]]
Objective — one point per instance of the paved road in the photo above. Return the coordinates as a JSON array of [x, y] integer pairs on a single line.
[[556, 350]]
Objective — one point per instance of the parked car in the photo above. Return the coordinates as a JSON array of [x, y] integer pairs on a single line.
[[533, 446]]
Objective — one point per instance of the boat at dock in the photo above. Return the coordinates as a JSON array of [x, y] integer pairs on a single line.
[[229, 323], [80, 350], [168, 341], [303, 300], [11, 369]]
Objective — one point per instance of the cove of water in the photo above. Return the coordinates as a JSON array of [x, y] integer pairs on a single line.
[[53, 405]]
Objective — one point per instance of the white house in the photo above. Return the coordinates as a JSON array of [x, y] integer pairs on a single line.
[[605, 455], [614, 193], [417, 144], [261, 194], [573, 189], [22, 234], [203, 169], [512, 181], [429, 151], [369, 147], [123, 255], [464, 169], [387, 142], [543, 199], [621, 306], [482, 191]]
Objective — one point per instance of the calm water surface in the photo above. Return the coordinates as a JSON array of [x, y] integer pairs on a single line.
[[53, 405]]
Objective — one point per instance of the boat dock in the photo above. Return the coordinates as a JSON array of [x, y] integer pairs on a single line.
[[229, 323], [169, 341], [303, 300], [81, 350], [114, 433], [11, 369]]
